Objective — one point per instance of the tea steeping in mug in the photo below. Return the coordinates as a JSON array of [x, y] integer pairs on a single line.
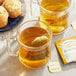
[[32, 44], [34, 37]]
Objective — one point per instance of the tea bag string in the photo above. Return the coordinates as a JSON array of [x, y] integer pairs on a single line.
[[31, 4]]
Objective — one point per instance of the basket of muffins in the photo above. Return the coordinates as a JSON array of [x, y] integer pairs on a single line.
[[10, 14]]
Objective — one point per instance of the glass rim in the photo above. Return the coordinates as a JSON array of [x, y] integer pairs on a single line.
[[30, 47], [52, 11]]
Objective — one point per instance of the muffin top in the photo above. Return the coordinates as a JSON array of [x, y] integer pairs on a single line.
[[12, 5], [3, 11], [1, 1]]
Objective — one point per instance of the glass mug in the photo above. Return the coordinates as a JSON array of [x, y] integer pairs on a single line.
[[55, 13], [29, 56]]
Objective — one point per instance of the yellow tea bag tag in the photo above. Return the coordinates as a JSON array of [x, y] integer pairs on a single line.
[[54, 67], [73, 25]]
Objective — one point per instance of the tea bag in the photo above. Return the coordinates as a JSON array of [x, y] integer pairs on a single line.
[[40, 41]]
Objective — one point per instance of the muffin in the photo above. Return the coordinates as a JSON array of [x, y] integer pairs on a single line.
[[13, 7], [3, 17], [1, 1]]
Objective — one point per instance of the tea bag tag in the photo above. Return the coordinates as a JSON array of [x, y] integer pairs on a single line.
[[54, 67]]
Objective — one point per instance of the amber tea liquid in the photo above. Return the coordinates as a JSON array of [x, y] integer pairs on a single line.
[[37, 57], [55, 14]]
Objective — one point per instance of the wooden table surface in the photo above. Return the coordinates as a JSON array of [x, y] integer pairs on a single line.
[[11, 66]]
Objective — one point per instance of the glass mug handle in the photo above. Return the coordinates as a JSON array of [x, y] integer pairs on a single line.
[[12, 46]]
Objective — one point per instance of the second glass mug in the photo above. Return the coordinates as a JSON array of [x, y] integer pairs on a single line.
[[31, 57], [55, 13]]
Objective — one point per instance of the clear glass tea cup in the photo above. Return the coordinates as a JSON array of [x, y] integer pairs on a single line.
[[55, 13], [31, 57]]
